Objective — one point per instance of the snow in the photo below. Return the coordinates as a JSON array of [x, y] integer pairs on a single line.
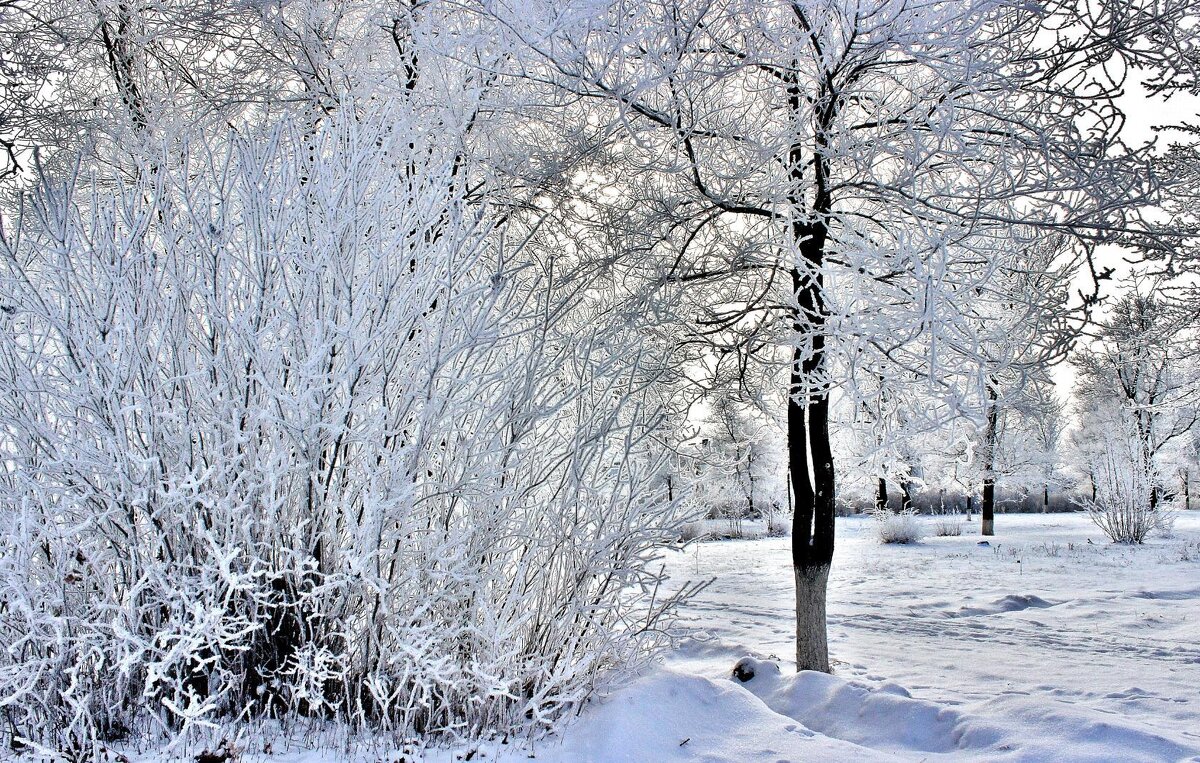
[[1048, 643], [672, 716]]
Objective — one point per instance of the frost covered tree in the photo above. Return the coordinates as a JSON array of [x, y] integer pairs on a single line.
[[1024, 322], [1037, 441], [844, 175], [1139, 379]]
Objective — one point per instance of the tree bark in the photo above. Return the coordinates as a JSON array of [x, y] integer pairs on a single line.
[[881, 496], [808, 441], [808, 399], [812, 646], [988, 509], [750, 479], [812, 527]]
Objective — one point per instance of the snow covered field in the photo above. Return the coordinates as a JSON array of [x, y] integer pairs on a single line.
[[1049, 644], [1039, 646]]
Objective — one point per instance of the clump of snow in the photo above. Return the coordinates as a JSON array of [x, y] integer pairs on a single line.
[[671, 716], [883, 717]]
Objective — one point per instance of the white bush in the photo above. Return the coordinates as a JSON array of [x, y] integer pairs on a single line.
[[1124, 508], [285, 429], [897, 527], [947, 526], [779, 525]]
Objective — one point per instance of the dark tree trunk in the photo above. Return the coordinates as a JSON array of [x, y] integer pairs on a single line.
[[750, 479], [808, 442], [812, 528], [1045, 498], [808, 401], [906, 499], [117, 34], [988, 509], [881, 495]]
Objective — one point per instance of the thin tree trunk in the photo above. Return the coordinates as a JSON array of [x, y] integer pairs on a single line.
[[750, 478], [988, 509], [790, 509], [881, 496], [116, 34], [1045, 498]]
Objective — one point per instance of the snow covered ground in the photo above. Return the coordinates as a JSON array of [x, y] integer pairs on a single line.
[[1048, 644]]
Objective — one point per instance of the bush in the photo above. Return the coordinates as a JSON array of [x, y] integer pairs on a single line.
[[266, 455], [1125, 507], [897, 527], [948, 526], [779, 525], [692, 531]]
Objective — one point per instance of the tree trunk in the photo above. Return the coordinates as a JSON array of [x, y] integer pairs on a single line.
[[812, 527], [1045, 498], [117, 33], [906, 500], [750, 478], [881, 495], [812, 646], [808, 399], [1187, 494], [808, 443], [988, 509]]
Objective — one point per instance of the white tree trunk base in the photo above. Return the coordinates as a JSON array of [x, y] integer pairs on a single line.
[[812, 644], [989, 527]]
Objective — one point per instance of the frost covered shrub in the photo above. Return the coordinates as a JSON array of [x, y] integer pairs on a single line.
[[947, 526], [287, 429], [779, 525], [694, 530], [897, 527], [1127, 506]]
